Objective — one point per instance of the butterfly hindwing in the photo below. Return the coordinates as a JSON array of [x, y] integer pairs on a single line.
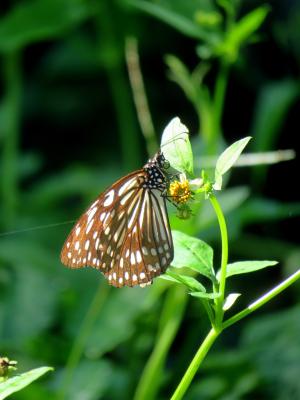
[[148, 249]]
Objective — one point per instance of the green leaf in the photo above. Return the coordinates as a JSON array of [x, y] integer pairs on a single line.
[[244, 267], [18, 382], [176, 146], [203, 295], [37, 20], [179, 73], [188, 281], [180, 15], [192, 253], [242, 31], [227, 159], [247, 25]]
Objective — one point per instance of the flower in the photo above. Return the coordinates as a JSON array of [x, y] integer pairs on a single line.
[[180, 191]]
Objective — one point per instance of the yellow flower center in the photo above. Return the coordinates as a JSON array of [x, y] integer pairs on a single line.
[[180, 191]]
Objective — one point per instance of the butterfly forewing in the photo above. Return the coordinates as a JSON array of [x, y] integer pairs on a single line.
[[89, 239], [125, 233]]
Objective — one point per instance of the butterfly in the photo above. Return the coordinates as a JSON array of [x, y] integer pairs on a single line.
[[125, 233]]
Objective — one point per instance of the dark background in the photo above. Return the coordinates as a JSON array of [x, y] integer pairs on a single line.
[[69, 128]]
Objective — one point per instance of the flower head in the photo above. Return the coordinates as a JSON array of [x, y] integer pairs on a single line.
[[180, 191]]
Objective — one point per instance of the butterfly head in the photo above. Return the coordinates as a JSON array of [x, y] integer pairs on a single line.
[[160, 161]]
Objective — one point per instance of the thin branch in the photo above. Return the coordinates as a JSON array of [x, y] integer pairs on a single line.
[[139, 94]]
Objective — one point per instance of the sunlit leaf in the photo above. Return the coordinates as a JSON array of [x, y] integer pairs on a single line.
[[192, 253], [244, 267], [18, 382], [176, 146], [227, 159], [230, 300]]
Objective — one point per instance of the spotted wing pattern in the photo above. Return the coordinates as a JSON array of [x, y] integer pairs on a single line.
[[125, 233]]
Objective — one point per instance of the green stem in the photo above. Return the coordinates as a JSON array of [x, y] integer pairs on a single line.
[[12, 110], [193, 367], [224, 260], [81, 338], [171, 318], [262, 300]]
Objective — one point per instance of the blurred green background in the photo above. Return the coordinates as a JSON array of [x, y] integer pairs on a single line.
[[69, 128]]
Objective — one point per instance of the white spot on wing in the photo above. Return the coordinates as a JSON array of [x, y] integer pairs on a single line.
[[127, 185], [145, 250], [102, 216], [132, 259], [89, 226], [138, 256], [133, 215], [125, 198], [153, 252], [91, 213], [109, 198]]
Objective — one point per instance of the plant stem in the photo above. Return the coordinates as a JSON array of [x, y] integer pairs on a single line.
[[81, 338], [171, 318], [224, 260], [194, 365], [12, 109], [262, 300], [139, 94]]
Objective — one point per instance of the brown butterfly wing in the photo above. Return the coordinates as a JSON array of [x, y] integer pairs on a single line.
[[125, 233]]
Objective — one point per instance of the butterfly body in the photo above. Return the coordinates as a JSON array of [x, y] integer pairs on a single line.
[[125, 233]]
